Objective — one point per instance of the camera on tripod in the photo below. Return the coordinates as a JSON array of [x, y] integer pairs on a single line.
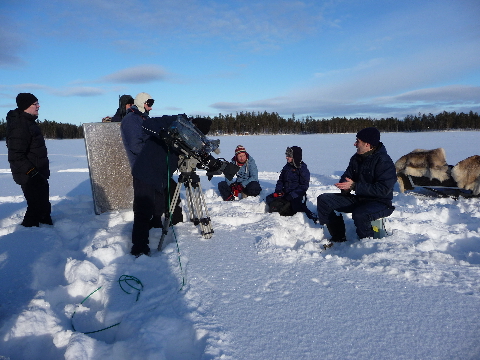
[[192, 143], [188, 138]]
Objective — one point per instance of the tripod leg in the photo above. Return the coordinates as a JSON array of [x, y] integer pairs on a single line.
[[190, 203], [166, 224], [200, 210]]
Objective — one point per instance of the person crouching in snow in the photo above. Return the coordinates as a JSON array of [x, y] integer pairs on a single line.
[[246, 182], [290, 194]]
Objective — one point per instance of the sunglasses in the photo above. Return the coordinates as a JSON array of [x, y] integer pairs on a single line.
[[149, 102]]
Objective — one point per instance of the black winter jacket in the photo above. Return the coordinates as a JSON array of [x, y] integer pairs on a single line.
[[151, 165], [133, 135], [26, 146], [374, 175], [293, 182]]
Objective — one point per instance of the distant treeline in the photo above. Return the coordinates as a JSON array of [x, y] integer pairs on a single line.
[[50, 130], [272, 123]]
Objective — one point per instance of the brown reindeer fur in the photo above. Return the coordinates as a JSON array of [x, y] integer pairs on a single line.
[[418, 163], [467, 174]]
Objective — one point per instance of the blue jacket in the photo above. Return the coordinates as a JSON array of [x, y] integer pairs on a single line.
[[151, 165], [293, 182], [247, 173], [133, 136], [374, 175]]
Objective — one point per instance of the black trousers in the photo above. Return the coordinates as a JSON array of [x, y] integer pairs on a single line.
[[36, 192], [252, 189], [363, 211], [147, 203]]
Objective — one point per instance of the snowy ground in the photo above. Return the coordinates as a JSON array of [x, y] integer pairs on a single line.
[[260, 288]]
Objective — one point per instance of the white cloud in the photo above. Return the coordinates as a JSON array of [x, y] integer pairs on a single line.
[[82, 91], [136, 75]]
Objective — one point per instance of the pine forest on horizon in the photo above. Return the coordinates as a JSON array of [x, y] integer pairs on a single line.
[[252, 123]]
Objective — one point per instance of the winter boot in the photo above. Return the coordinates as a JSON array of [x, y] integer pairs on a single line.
[[46, 220], [140, 249], [29, 221], [336, 228]]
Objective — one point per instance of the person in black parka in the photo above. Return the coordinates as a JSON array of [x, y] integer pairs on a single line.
[[371, 175], [28, 158], [134, 139], [291, 189], [124, 103]]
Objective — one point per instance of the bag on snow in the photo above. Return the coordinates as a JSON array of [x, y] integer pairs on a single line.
[[282, 206]]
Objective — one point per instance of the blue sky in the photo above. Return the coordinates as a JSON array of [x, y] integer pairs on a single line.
[[199, 57]]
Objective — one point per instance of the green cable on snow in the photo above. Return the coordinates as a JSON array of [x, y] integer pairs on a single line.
[[127, 279]]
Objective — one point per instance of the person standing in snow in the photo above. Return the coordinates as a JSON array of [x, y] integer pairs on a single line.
[[28, 158], [124, 103], [133, 136], [371, 175], [246, 182], [152, 173], [134, 139], [291, 189]]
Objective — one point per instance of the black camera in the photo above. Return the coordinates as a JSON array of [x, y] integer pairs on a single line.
[[186, 137]]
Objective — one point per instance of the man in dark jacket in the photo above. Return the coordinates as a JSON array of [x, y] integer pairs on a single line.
[[124, 103], [292, 185], [152, 173], [133, 136], [28, 158], [134, 139], [371, 175]]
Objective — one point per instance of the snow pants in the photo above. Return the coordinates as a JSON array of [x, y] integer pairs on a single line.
[[252, 189], [363, 211], [36, 192], [147, 204]]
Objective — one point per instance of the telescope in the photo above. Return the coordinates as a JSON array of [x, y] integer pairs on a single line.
[[194, 150], [184, 136]]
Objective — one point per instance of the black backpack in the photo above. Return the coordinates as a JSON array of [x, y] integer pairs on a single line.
[[282, 206]]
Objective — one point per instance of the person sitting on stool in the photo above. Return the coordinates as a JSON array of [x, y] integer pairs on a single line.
[[371, 175]]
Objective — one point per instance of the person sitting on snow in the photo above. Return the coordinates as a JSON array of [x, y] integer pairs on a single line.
[[246, 182], [290, 194], [372, 175]]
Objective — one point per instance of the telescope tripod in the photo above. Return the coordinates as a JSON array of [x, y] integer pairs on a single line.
[[197, 207]]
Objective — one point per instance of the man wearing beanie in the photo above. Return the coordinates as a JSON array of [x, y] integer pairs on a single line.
[[124, 103], [28, 158], [371, 176], [291, 189], [246, 182]]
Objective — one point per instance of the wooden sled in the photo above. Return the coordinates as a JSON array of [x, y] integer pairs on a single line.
[[447, 188]]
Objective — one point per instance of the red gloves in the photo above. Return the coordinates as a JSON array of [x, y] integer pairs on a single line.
[[237, 188], [275, 195]]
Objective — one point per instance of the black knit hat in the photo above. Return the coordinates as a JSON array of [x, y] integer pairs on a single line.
[[25, 100], [125, 100], [369, 135], [295, 152]]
